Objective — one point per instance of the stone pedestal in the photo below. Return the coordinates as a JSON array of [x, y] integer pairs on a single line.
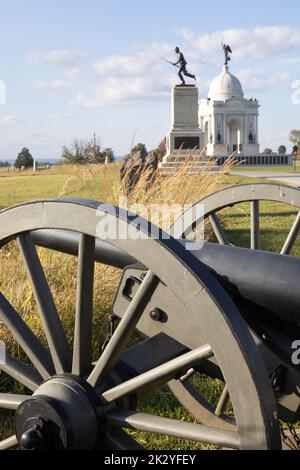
[[185, 134], [185, 138]]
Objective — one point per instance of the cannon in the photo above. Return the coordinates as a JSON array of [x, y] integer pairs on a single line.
[[224, 313]]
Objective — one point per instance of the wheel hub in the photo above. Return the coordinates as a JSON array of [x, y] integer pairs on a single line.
[[62, 414]]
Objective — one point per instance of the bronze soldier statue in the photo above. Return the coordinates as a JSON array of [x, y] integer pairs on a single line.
[[182, 67]]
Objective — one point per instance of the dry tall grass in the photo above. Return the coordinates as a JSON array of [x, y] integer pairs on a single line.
[[61, 270], [179, 189]]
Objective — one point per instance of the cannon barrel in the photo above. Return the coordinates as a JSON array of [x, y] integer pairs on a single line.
[[266, 279], [67, 242]]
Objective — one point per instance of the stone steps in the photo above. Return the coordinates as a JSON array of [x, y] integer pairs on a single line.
[[184, 159], [168, 168], [191, 164]]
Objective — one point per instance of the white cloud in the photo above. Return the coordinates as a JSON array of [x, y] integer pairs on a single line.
[[142, 75], [257, 43], [72, 62], [131, 78], [125, 90], [10, 120], [259, 80], [139, 76], [49, 86], [142, 61]]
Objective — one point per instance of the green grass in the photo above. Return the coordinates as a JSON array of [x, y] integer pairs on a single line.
[[64, 182], [103, 184], [276, 220]]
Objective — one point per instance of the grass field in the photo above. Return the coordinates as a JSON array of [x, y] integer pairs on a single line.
[[102, 184], [59, 181]]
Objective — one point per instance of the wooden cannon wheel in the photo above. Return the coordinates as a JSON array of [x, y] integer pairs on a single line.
[[186, 227], [74, 403]]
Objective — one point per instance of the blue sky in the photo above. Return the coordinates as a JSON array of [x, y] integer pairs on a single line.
[[72, 68]]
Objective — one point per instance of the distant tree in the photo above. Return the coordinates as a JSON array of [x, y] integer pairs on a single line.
[[295, 136], [24, 159], [108, 153], [92, 152], [139, 148], [161, 150], [268, 151], [282, 150], [75, 153], [82, 152], [4, 164], [67, 154]]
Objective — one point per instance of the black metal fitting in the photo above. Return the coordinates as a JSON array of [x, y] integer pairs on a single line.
[[278, 378], [34, 438], [156, 314]]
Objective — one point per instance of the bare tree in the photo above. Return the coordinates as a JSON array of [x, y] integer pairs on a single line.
[[74, 153], [92, 152], [82, 151]]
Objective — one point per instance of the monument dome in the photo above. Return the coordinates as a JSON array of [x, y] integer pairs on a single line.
[[228, 119], [226, 86]]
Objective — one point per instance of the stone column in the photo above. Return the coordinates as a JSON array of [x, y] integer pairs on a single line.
[[225, 129], [239, 140], [256, 129], [213, 128], [228, 138], [209, 129]]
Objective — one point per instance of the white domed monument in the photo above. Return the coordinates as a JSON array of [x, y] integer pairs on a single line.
[[224, 124], [229, 120]]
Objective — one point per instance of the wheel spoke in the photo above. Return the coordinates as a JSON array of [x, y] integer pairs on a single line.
[[181, 430], [23, 373], [55, 334], [124, 330], [159, 374], [82, 354], [255, 226], [223, 402], [218, 229], [8, 443], [30, 344], [289, 243], [9, 401]]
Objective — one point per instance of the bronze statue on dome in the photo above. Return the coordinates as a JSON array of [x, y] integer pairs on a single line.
[[227, 51]]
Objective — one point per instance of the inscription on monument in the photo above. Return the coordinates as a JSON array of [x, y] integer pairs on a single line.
[[187, 143]]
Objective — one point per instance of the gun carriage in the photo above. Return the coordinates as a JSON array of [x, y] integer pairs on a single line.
[[221, 313]]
